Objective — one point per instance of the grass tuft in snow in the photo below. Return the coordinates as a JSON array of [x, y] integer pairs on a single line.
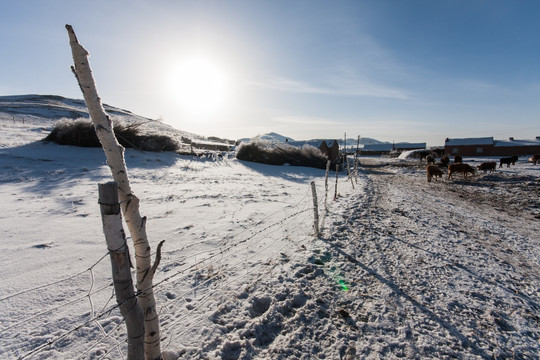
[[80, 132], [280, 153]]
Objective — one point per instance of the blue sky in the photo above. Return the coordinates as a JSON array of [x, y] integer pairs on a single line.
[[416, 71]]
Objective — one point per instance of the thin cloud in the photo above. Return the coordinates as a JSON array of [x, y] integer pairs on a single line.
[[337, 86], [307, 120]]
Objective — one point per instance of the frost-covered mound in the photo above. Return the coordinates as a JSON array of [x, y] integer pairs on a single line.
[[271, 153], [81, 132]]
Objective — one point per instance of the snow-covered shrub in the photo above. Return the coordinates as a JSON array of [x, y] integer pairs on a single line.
[[281, 153], [80, 132]]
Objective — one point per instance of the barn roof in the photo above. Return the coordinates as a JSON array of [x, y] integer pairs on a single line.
[[410, 146], [512, 142], [390, 147], [378, 147], [469, 141]]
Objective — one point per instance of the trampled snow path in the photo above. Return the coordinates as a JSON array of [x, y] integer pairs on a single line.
[[442, 276]]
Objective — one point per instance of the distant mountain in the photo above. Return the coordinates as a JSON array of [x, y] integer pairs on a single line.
[[274, 137]]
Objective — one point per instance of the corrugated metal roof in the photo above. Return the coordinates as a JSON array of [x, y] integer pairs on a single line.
[[469, 141], [390, 147], [410, 146], [501, 143], [377, 147]]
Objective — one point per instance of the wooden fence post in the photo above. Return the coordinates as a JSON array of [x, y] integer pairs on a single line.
[[356, 160], [355, 170], [337, 172], [350, 174], [121, 272], [136, 223], [326, 185], [315, 209], [345, 151]]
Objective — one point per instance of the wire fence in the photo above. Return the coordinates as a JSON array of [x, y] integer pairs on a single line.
[[194, 275]]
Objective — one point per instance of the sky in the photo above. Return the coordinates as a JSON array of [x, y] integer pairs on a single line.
[[412, 71]]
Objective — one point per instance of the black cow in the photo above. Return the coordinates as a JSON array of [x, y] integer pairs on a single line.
[[508, 160]]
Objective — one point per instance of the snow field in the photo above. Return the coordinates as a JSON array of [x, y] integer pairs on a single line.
[[402, 269]]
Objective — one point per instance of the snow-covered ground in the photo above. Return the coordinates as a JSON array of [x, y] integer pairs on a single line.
[[402, 268]]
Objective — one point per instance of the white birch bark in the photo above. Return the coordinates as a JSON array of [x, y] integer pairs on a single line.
[[121, 272], [114, 153]]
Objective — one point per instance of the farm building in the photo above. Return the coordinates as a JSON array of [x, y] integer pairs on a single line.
[[487, 146], [387, 148]]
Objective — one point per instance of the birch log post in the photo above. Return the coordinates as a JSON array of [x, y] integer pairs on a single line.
[[121, 272], [350, 174], [315, 209], [337, 174], [326, 185], [114, 153]]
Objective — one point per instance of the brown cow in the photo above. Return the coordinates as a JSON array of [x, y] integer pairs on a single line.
[[433, 171], [462, 168], [445, 160], [485, 166]]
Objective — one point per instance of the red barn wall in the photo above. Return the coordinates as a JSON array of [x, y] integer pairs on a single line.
[[490, 150]]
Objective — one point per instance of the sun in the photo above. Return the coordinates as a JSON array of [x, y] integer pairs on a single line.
[[200, 86]]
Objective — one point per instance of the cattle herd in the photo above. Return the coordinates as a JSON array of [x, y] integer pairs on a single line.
[[434, 171]]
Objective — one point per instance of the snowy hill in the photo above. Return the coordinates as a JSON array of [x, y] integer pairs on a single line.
[[54, 107], [47, 109]]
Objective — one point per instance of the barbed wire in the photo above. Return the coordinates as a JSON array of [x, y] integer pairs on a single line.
[[110, 309], [247, 229], [54, 282], [228, 248], [100, 340], [50, 310], [69, 332], [204, 300], [248, 239]]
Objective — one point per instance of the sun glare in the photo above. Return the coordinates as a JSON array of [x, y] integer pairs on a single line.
[[200, 86]]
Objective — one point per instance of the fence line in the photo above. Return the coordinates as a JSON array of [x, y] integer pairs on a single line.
[[232, 280], [248, 241], [164, 262], [51, 310], [113, 307], [230, 247], [207, 298], [74, 329], [55, 282], [220, 254], [100, 340]]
